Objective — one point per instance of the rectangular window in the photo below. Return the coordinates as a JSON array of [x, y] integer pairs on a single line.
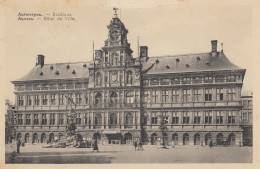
[[35, 119], [208, 79], [231, 78], [155, 96], [231, 117], [231, 94], [186, 80], [52, 119], [79, 99], [165, 81], [154, 118], [186, 95], [155, 82], [27, 119], [36, 100], [44, 99], [244, 118], [250, 104], [186, 118], [78, 119], [220, 94], [79, 85], [20, 119], [208, 117], [20, 100], [53, 99], [70, 86], [165, 96], [146, 96], [61, 119], [175, 96], [197, 117], [208, 94], [219, 118], [36, 87], [197, 80], [175, 118], [86, 98], [28, 100], [219, 79], [61, 86], [70, 99], [197, 95], [175, 81], [61, 99], [53, 86], [146, 82], [44, 119]]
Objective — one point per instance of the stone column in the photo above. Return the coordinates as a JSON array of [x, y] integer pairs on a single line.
[[48, 118]]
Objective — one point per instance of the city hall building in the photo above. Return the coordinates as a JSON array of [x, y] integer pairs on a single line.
[[119, 99]]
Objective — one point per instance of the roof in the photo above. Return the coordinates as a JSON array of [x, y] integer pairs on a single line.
[[188, 63], [57, 71]]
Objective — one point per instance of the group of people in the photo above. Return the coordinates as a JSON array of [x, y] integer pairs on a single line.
[[139, 146]]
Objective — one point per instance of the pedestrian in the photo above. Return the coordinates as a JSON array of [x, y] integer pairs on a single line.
[[135, 144], [173, 144], [95, 145], [140, 146], [18, 145], [210, 144]]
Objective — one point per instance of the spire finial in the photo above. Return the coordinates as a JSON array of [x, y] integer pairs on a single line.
[[115, 9]]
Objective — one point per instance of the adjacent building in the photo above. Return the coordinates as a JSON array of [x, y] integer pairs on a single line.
[[119, 99]]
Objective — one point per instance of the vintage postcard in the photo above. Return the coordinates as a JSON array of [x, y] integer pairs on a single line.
[[129, 82]]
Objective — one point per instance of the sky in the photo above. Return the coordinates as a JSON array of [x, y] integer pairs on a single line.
[[167, 28]]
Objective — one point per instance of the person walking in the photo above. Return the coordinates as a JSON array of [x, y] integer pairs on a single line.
[[210, 144], [95, 146], [135, 144], [141, 146], [173, 144], [18, 145]]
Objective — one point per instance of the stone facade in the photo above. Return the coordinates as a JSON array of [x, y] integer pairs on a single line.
[[120, 99]]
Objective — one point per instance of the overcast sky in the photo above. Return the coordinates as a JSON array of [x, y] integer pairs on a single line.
[[167, 28]]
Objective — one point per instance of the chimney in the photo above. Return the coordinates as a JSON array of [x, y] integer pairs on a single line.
[[144, 53], [214, 44], [40, 60]]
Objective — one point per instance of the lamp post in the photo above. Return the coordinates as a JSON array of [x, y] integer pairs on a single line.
[[163, 127]]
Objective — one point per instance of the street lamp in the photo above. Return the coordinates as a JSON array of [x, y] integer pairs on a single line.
[[163, 127]]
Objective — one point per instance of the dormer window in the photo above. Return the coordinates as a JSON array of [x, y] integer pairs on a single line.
[[51, 67], [41, 74], [57, 72], [68, 66], [84, 65], [198, 58], [74, 72], [167, 67], [177, 60], [207, 63], [157, 61], [187, 65]]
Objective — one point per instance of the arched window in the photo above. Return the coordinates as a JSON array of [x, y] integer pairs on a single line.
[[175, 139], [129, 119], [154, 139], [51, 137], [99, 79], [186, 139], [98, 98], [197, 139], [35, 138], [19, 135], [43, 137], [129, 77], [207, 138], [129, 97], [231, 139], [219, 138], [98, 119], [26, 138], [113, 98], [113, 119]]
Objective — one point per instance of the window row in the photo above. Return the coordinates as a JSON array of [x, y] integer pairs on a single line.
[[59, 119], [193, 80], [195, 117], [77, 85], [190, 95]]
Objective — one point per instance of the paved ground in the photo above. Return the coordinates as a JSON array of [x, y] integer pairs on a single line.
[[127, 154]]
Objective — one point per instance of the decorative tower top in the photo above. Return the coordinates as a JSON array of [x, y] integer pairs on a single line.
[[115, 14]]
